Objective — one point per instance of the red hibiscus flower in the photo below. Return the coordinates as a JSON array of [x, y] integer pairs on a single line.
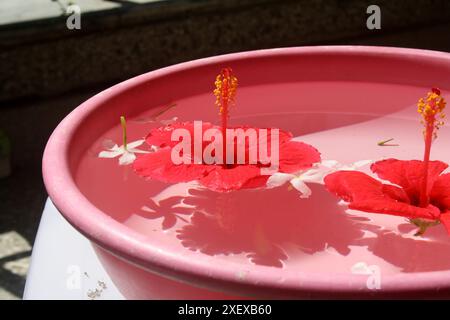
[[221, 175], [368, 194], [420, 191], [293, 156]]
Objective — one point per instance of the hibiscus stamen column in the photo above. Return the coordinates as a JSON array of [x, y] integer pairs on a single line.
[[431, 108], [225, 91]]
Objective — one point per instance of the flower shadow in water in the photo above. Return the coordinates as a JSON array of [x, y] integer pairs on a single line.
[[266, 224], [169, 209], [411, 254], [269, 226]]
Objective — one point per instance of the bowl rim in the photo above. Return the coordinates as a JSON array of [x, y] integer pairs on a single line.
[[128, 244]]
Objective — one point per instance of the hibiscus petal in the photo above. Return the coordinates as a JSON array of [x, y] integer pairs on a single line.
[[283, 136], [295, 156], [368, 194], [253, 146], [396, 193], [278, 179], [256, 182], [396, 208], [440, 194], [234, 178], [408, 174], [352, 185], [158, 165], [162, 136]]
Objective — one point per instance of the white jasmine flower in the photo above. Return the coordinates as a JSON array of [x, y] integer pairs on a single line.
[[299, 180], [127, 153]]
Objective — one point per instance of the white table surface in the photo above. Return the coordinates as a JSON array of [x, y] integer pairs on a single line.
[[63, 263]]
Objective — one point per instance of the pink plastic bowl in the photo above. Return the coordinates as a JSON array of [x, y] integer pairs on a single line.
[[142, 268]]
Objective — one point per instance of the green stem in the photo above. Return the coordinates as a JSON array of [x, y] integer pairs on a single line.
[[423, 225], [384, 143], [124, 131]]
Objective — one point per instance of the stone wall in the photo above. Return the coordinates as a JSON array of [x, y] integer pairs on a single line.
[[43, 58]]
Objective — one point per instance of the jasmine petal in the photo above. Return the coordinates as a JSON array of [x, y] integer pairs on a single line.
[[127, 155]]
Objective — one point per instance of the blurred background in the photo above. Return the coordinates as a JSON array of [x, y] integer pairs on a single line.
[[52, 59]]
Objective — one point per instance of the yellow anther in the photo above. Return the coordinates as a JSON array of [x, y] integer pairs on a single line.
[[431, 108], [225, 90]]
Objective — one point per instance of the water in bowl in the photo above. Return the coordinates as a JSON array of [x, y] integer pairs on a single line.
[[276, 228]]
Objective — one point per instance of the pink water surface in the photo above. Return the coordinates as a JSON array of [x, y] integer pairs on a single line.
[[275, 228]]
